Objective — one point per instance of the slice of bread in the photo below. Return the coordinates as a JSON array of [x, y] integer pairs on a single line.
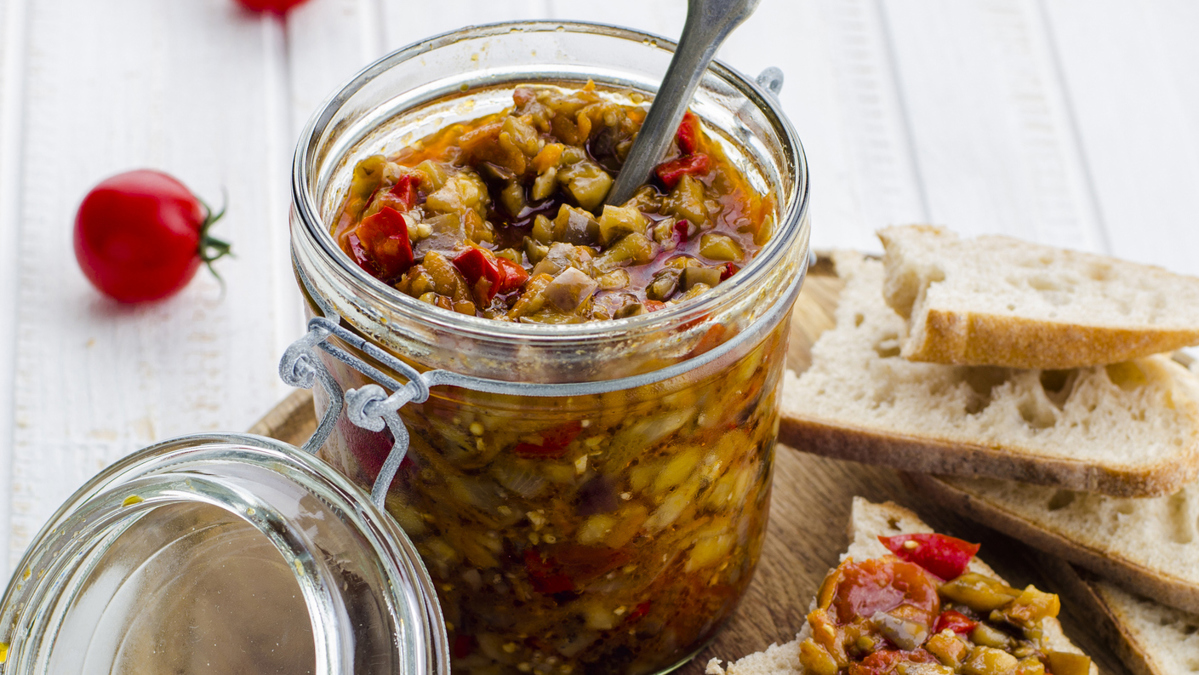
[[1150, 546], [1129, 429], [867, 522], [995, 300], [1151, 638]]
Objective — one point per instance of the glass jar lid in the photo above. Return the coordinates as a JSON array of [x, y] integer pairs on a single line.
[[221, 553]]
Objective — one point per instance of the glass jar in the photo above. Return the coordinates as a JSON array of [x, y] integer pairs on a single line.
[[221, 554], [607, 532]]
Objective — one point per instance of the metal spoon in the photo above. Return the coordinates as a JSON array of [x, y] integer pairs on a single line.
[[709, 22]]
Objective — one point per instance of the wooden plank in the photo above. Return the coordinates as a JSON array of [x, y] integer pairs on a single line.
[[189, 88], [992, 138], [12, 78], [1139, 138]]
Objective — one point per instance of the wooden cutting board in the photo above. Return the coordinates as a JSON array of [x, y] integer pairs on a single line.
[[808, 515]]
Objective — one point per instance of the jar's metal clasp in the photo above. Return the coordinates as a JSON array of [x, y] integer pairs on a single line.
[[771, 79]]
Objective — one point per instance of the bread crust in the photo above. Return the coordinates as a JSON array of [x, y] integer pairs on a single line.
[[966, 338], [1094, 602], [1153, 584], [939, 456]]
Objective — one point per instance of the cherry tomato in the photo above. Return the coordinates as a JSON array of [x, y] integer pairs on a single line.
[[944, 556], [142, 235], [881, 585], [272, 6]]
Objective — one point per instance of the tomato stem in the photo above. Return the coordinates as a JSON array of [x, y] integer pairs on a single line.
[[212, 248]]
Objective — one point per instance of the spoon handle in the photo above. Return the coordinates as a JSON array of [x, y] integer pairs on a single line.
[[709, 22]]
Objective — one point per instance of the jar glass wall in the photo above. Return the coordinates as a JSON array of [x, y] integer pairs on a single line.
[[219, 554], [607, 533]]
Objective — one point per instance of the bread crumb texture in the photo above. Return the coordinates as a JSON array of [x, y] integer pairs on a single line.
[[1160, 533], [1127, 417], [998, 300], [1168, 637]]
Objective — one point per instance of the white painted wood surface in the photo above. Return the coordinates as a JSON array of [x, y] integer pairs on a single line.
[[1063, 121]]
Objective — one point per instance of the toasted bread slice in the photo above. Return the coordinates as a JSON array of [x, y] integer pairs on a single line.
[[867, 523], [999, 301], [1150, 546], [1129, 429], [1151, 638]]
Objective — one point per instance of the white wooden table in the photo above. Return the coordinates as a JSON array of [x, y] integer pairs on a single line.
[[1070, 122]]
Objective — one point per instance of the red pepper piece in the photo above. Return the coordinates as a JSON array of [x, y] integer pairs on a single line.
[[512, 276], [944, 556], [463, 646], [682, 229], [380, 244], [405, 190], [553, 444], [545, 575], [639, 611], [688, 134], [885, 661], [954, 621], [474, 264], [727, 270], [670, 173]]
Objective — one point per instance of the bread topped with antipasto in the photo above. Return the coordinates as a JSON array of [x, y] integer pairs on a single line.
[[907, 601]]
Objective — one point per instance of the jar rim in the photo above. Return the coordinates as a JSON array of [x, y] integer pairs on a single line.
[[791, 215]]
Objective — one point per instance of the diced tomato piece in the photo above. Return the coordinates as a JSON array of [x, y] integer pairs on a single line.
[[954, 621], [885, 661], [553, 445], [654, 305], [463, 646], [727, 270], [380, 244], [545, 576], [405, 190], [881, 585], [512, 276], [682, 229], [945, 556], [475, 265], [688, 134], [670, 173]]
